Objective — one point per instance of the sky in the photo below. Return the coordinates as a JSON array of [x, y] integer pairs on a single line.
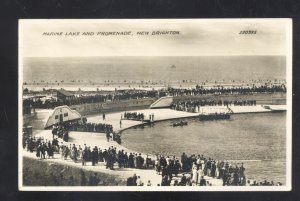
[[195, 38]]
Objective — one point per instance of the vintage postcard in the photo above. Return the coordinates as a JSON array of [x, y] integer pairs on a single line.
[[155, 105]]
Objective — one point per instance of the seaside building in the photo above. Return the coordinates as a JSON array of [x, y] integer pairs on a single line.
[[62, 114], [65, 95]]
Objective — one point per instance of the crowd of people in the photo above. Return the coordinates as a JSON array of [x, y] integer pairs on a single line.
[[194, 105], [111, 156], [61, 131], [198, 167], [95, 98], [193, 168], [43, 148], [137, 181], [141, 94], [263, 183], [133, 116], [90, 127], [200, 90]]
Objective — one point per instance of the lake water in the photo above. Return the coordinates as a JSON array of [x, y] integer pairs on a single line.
[[247, 138]]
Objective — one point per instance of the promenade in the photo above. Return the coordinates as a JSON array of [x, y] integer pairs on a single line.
[[99, 139]]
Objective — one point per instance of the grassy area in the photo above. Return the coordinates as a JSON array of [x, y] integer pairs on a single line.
[[43, 173]]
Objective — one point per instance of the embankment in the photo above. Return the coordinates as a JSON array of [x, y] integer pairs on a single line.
[[115, 106], [136, 104], [43, 173]]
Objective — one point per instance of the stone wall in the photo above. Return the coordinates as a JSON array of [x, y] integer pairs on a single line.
[[115, 106], [93, 108], [44, 173]]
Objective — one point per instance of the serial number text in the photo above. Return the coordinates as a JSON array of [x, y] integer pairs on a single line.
[[248, 32]]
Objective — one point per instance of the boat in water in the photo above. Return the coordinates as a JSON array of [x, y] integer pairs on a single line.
[[216, 116], [181, 123]]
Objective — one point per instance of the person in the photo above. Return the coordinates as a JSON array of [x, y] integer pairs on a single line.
[[43, 150], [188, 182], [54, 130], [165, 181], [224, 178], [164, 171], [103, 116], [38, 151], [176, 167], [84, 157], [235, 178], [111, 136], [149, 183], [183, 180], [94, 156], [62, 150], [74, 153], [242, 170], [120, 123], [157, 165], [130, 181], [139, 181], [107, 136], [195, 175], [200, 175], [202, 181], [134, 179], [184, 161]]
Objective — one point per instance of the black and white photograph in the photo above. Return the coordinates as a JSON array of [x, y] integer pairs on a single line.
[[155, 104]]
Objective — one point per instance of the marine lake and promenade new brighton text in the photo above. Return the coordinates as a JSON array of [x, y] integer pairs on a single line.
[[111, 33]]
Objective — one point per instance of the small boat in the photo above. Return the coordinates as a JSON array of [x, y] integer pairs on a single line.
[[216, 116], [181, 123]]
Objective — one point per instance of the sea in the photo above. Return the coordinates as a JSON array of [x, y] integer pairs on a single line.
[[120, 69], [257, 140]]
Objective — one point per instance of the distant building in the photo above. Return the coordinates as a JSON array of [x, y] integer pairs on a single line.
[[62, 114], [64, 95]]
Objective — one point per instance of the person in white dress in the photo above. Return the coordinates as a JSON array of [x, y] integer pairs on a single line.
[[195, 175], [139, 182], [200, 174]]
